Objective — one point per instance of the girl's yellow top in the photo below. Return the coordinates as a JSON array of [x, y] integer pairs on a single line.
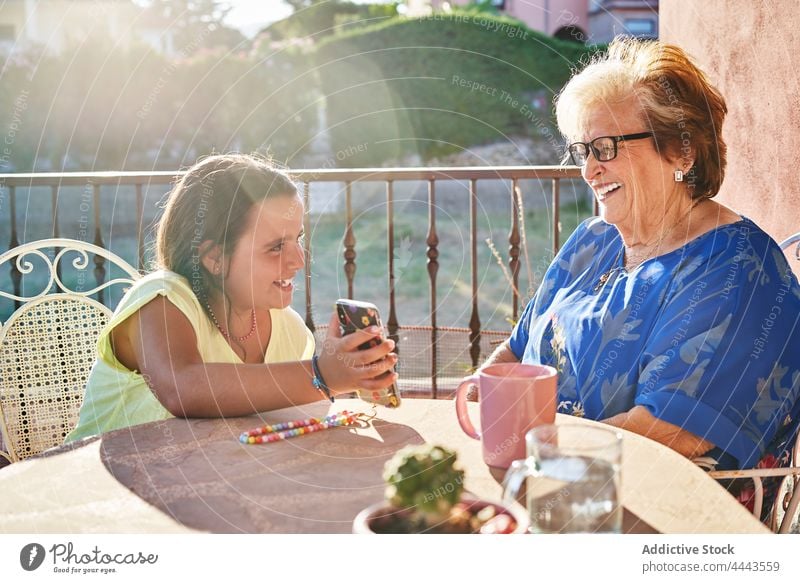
[[117, 397]]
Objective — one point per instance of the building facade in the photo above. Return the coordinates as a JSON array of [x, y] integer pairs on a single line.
[[56, 24], [592, 21], [608, 18]]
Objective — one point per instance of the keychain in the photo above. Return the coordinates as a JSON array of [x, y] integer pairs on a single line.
[[281, 431]]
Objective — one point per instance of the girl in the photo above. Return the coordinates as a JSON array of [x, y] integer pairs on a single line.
[[211, 333]]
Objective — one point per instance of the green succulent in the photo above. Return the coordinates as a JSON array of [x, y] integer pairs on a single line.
[[424, 478]]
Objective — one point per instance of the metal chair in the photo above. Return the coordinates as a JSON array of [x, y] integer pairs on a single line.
[[784, 511], [47, 345]]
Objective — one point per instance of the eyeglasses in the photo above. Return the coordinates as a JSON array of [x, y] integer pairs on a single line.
[[604, 148]]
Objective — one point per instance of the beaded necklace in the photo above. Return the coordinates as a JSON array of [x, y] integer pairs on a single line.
[[280, 431], [225, 334], [601, 282]]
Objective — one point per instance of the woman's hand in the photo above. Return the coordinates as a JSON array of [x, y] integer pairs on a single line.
[[641, 421], [501, 354], [345, 368]]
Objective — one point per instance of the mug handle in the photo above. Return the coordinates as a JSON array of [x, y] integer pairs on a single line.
[[461, 407], [515, 477]]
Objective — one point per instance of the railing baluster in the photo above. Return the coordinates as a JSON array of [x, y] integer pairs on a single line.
[[54, 209], [349, 242], [433, 269], [392, 322], [54, 214], [307, 228], [99, 261], [513, 247], [556, 216], [139, 234], [16, 276], [474, 321]]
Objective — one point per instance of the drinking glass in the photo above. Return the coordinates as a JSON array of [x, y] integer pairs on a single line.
[[572, 479]]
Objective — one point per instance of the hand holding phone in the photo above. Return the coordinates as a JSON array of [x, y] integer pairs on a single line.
[[354, 315]]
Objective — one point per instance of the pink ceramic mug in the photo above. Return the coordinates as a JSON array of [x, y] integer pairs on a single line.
[[514, 398]]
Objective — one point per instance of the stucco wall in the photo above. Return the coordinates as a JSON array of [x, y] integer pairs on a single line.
[[13, 14], [751, 53], [58, 23]]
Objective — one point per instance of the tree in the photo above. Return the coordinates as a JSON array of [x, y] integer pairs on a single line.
[[191, 20], [187, 12], [298, 5], [316, 19]]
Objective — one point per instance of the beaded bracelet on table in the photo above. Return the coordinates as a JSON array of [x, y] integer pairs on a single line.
[[279, 431]]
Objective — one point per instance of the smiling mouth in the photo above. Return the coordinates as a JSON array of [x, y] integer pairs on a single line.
[[607, 189], [284, 284]]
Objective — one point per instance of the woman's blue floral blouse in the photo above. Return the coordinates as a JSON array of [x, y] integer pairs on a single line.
[[706, 337]]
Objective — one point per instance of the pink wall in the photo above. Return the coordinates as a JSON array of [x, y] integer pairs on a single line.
[[751, 53]]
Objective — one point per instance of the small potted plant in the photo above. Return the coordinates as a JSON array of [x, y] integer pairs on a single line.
[[425, 494]]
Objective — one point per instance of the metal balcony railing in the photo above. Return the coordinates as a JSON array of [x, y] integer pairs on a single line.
[[433, 357]]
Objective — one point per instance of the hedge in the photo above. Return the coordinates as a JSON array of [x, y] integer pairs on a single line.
[[438, 84]]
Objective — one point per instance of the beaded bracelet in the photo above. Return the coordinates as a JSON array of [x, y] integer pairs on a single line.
[[279, 431], [318, 381]]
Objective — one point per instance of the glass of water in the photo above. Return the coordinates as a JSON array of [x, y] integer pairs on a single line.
[[572, 479]]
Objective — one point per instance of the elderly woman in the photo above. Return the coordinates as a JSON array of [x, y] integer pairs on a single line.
[[670, 315]]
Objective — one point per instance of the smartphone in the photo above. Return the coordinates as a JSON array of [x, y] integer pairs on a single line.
[[354, 315]]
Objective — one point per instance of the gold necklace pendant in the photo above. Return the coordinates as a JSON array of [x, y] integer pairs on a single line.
[[604, 279]]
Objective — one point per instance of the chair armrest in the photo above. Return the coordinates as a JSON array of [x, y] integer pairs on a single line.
[[756, 476], [761, 473]]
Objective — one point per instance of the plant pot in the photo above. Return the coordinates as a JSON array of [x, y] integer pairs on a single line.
[[378, 518]]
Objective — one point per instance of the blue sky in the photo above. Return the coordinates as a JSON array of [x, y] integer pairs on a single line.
[[255, 14]]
